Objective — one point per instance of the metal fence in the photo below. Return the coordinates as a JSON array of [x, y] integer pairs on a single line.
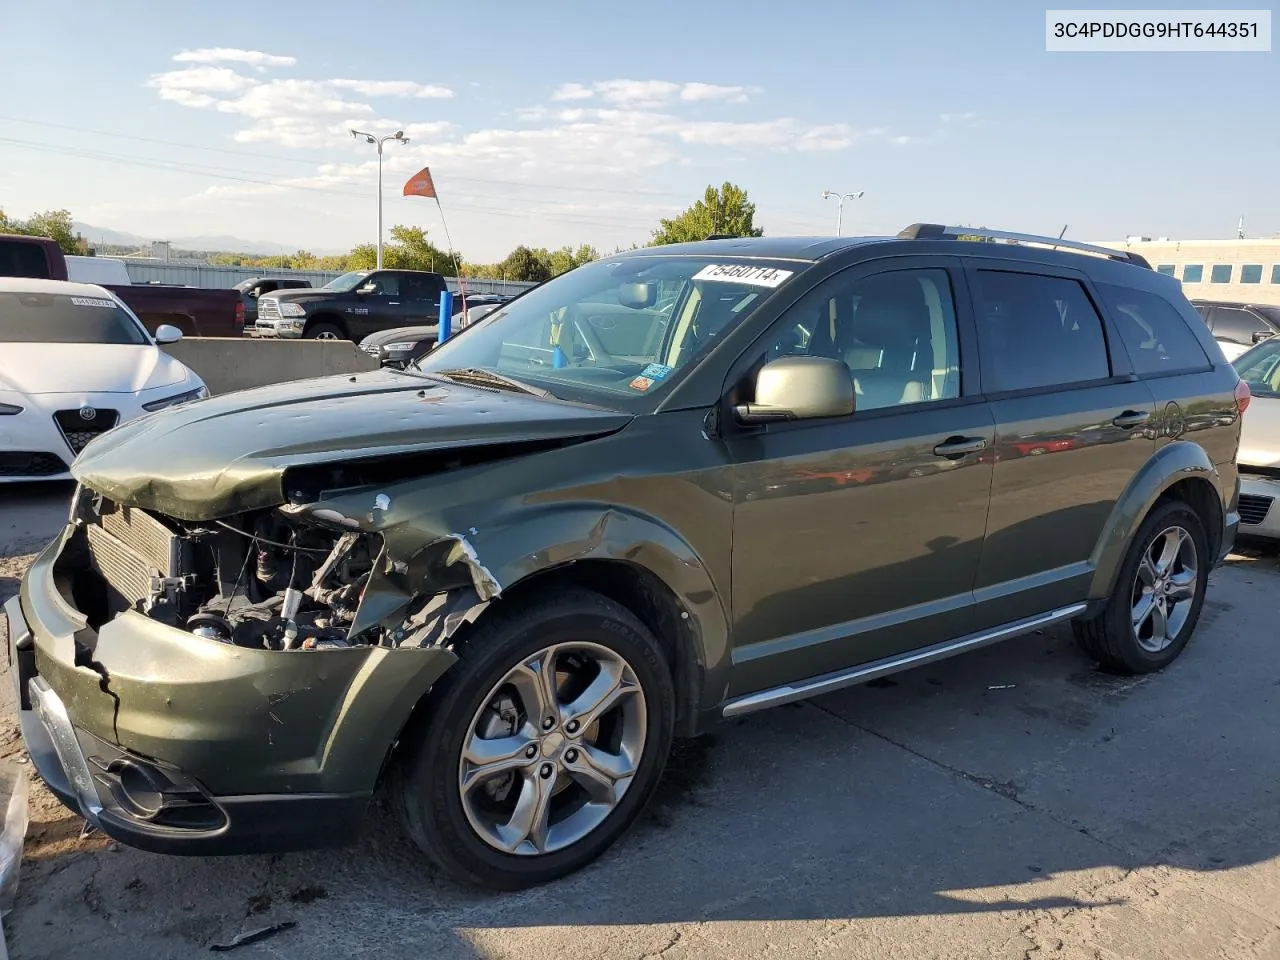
[[217, 277]]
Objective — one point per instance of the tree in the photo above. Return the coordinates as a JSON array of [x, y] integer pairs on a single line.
[[724, 211], [523, 264], [54, 224], [411, 250]]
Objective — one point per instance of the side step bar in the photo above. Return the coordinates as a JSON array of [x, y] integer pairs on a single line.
[[804, 689]]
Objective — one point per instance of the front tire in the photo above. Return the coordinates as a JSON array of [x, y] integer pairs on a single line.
[[325, 331], [1159, 592], [542, 744]]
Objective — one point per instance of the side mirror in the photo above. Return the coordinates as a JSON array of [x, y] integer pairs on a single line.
[[1260, 335], [799, 388], [366, 289], [168, 333]]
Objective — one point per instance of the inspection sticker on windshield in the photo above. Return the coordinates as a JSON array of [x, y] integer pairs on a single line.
[[655, 371], [741, 273], [93, 302], [642, 383]]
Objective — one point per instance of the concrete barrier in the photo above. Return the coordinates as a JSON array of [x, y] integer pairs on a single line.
[[238, 363]]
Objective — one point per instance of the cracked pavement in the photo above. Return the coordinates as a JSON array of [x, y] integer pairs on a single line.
[[1014, 803]]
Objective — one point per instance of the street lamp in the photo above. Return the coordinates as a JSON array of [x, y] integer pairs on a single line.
[[379, 141], [841, 198]]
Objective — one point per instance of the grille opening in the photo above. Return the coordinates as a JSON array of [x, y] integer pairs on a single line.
[[20, 463], [1254, 508], [78, 430]]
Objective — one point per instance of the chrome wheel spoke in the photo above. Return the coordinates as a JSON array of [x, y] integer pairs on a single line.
[[600, 773], [1142, 610], [1159, 623], [1146, 572], [535, 681], [531, 819], [485, 758], [1182, 586], [1169, 550], [613, 684]]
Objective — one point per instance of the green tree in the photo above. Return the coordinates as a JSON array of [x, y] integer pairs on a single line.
[[54, 224], [725, 210], [411, 250], [523, 264]]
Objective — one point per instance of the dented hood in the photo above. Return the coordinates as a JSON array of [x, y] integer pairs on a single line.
[[221, 456]]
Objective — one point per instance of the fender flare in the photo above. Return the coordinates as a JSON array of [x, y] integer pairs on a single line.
[[1171, 464]]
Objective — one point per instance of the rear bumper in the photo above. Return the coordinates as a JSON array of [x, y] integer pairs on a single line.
[[154, 806]]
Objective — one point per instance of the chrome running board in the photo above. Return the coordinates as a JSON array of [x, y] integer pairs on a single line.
[[802, 690]]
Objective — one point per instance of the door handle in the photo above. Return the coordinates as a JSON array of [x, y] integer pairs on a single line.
[[1131, 418], [394, 303], [953, 448]]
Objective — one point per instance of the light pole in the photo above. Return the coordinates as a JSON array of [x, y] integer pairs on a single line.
[[379, 141], [841, 198]]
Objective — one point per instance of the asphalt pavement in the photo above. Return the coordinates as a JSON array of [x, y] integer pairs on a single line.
[[1013, 803]]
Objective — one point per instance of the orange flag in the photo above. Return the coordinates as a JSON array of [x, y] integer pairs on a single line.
[[420, 184]]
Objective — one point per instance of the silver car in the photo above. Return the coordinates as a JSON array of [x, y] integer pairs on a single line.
[[1259, 457]]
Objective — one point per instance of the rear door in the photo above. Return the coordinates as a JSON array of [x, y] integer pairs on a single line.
[[420, 295], [1073, 427]]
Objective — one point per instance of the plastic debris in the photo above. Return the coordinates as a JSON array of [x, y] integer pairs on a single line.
[[1002, 686], [253, 936]]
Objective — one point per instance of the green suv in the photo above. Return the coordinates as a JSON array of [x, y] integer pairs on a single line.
[[671, 486]]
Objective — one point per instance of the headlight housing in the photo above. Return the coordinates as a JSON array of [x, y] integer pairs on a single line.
[[400, 346], [197, 394], [288, 309], [9, 409]]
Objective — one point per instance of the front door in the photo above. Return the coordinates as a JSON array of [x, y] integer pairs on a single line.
[[1073, 429], [858, 538], [378, 306]]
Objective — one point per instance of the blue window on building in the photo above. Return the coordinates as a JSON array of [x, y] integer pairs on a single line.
[[1275, 273], [1221, 273], [1166, 269], [1251, 273], [1192, 273]]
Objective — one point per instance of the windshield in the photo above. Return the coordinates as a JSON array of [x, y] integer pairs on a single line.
[[1260, 368], [54, 318], [613, 331], [347, 282]]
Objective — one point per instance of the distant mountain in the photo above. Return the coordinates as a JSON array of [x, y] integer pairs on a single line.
[[219, 244]]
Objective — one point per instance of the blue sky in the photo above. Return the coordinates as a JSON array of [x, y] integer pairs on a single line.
[[585, 122]]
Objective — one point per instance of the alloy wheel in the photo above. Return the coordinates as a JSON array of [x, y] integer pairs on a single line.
[[1164, 589]]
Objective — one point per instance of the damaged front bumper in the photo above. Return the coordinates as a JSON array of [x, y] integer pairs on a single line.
[[177, 743]]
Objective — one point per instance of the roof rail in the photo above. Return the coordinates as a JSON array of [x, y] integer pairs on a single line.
[[936, 231]]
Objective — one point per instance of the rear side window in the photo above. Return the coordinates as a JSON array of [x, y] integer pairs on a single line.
[[1037, 332], [1236, 325], [1154, 332], [21, 259]]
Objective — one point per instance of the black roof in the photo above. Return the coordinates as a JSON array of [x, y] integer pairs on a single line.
[[806, 249]]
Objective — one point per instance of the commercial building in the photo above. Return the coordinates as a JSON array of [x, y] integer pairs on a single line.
[[1246, 271]]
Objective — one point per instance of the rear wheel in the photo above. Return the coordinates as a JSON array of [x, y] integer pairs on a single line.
[[325, 331], [541, 746], [1158, 596]]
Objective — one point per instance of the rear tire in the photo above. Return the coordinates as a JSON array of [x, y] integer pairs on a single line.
[[325, 331], [498, 785], [1157, 598]]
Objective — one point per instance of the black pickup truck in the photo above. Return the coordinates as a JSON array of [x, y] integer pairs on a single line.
[[352, 306]]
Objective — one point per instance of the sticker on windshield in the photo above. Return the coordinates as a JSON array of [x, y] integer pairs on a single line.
[[742, 273], [642, 383], [93, 302], [655, 371]]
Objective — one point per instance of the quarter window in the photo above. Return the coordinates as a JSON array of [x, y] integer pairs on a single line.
[[1221, 273], [1193, 273], [896, 332], [1037, 332], [1154, 332], [1251, 273]]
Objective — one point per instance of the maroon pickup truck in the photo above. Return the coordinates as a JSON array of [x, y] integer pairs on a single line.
[[196, 312]]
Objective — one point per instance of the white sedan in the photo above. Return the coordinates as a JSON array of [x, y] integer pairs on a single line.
[[75, 362], [1259, 456]]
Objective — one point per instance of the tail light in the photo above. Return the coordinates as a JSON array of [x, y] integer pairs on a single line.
[[1243, 396], [240, 314]]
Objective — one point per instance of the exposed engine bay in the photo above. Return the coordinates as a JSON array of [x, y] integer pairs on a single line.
[[263, 580]]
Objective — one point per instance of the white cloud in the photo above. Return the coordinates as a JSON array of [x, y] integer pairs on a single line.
[[254, 58], [204, 79], [637, 92], [695, 92], [784, 134], [966, 119], [393, 88], [572, 91]]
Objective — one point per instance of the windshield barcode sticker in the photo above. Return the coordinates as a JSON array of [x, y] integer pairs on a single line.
[[738, 273], [93, 302]]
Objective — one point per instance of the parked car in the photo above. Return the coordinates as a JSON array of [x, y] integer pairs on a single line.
[[250, 290], [192, 310], [401, 346], [1238, 326], [352, 306], [1259, 458], [75, 362], [504, 579]]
